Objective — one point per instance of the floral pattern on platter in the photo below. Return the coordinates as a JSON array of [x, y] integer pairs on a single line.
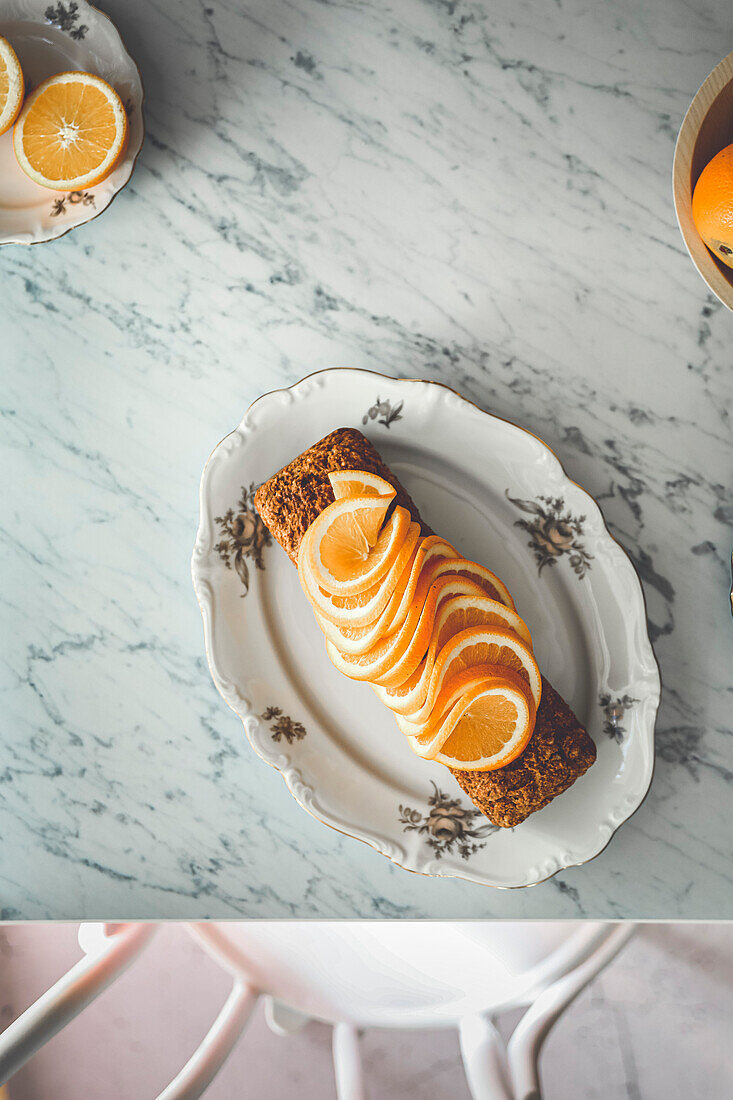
[[283, 726], [384, 412], [448, 824], [614, 710], [244, 535], [65, 18], [554, 532], [60, 205]]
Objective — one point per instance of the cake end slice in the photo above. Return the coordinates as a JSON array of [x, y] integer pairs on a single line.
[[559, 752], [291, 499]]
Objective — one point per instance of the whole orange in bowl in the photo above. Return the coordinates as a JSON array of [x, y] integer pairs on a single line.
[[712, 205]]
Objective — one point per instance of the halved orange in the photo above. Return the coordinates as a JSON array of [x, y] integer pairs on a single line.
[[359, 483], [71, 132], [349, 547], [494, 727], [364, 608], [12, 85]]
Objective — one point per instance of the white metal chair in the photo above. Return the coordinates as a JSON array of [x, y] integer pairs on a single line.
[[356, 975]]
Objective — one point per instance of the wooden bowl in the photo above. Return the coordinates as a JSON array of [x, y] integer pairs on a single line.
[[706, 129]]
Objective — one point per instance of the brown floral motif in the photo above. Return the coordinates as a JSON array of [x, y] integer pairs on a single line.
[[72, 199], [447, 824], [65, 18], [384, 412], [553, 532], [614, 710], [283, 726], [244, 536]]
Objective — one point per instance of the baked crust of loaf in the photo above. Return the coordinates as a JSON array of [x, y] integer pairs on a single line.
[[292, 498], [559, 751]]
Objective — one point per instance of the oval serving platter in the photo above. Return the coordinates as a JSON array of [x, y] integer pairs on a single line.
[[49, 38], [502, 497]]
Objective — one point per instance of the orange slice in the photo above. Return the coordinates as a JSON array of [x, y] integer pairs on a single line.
[[481, 645], [492, 585], [410, 694], [12, 85], [359, 483], [395, 657], [349, 547], [431, 549], [71, 132], [408, 660], [364, 608], [451, 689], [468, 684], [456, 613], [493, 728], [465, 611]]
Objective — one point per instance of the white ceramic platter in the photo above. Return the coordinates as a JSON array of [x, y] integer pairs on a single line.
[[51, 38], [500, 495]]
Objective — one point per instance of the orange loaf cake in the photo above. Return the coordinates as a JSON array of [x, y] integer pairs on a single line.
[[558, 750]]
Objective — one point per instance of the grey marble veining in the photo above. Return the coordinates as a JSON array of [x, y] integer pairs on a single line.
[[478, 194]]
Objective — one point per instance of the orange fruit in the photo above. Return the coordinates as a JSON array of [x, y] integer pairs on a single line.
[[419, 645], [454, 616], [483, 645], [395, 657], [436, 635], [428, 743], [492, 585], [12, 85], [359, 483], [712, 205], [71, 132], [449, 691], [493, 728], [464, 611], [349, 547], [431, 549], [363, 608], [459, 609], [411, 693]]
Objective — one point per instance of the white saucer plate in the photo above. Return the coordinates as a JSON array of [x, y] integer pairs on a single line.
[[49, 38], [502, 497]]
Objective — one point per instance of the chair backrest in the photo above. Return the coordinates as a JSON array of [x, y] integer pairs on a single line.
[[400, 974]]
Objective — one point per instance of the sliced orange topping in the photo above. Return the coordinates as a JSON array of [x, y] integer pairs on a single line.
[[437, 636], [347, 483], [494, 726], [349, 547], [363, 608]]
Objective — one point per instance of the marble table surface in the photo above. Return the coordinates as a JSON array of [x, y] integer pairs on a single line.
[[469, 192]]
